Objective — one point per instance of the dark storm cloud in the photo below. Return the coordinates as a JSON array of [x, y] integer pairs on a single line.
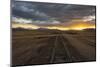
[[46, 11]]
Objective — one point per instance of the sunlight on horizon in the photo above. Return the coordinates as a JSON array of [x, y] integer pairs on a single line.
[[71, 27]]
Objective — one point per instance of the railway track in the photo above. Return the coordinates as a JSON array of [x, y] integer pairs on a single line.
[[60, 52]]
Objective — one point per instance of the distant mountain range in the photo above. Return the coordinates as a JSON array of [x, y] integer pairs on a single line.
[[45, 29]]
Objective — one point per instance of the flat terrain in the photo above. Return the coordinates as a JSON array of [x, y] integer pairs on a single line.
[[52, 46]]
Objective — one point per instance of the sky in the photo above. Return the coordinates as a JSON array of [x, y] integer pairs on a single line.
[[51, 15]]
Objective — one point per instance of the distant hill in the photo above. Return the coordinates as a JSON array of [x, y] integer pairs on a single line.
[[19, 29], [49, 30], [90, 29], [53, 31]]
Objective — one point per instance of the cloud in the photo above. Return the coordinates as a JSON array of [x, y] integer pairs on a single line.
[[43, 13], [52, 22], [37, 22], [22, 6], [89, 18], [21, 20]]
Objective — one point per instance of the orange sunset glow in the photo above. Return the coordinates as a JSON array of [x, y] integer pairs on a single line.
[[72, 26]]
